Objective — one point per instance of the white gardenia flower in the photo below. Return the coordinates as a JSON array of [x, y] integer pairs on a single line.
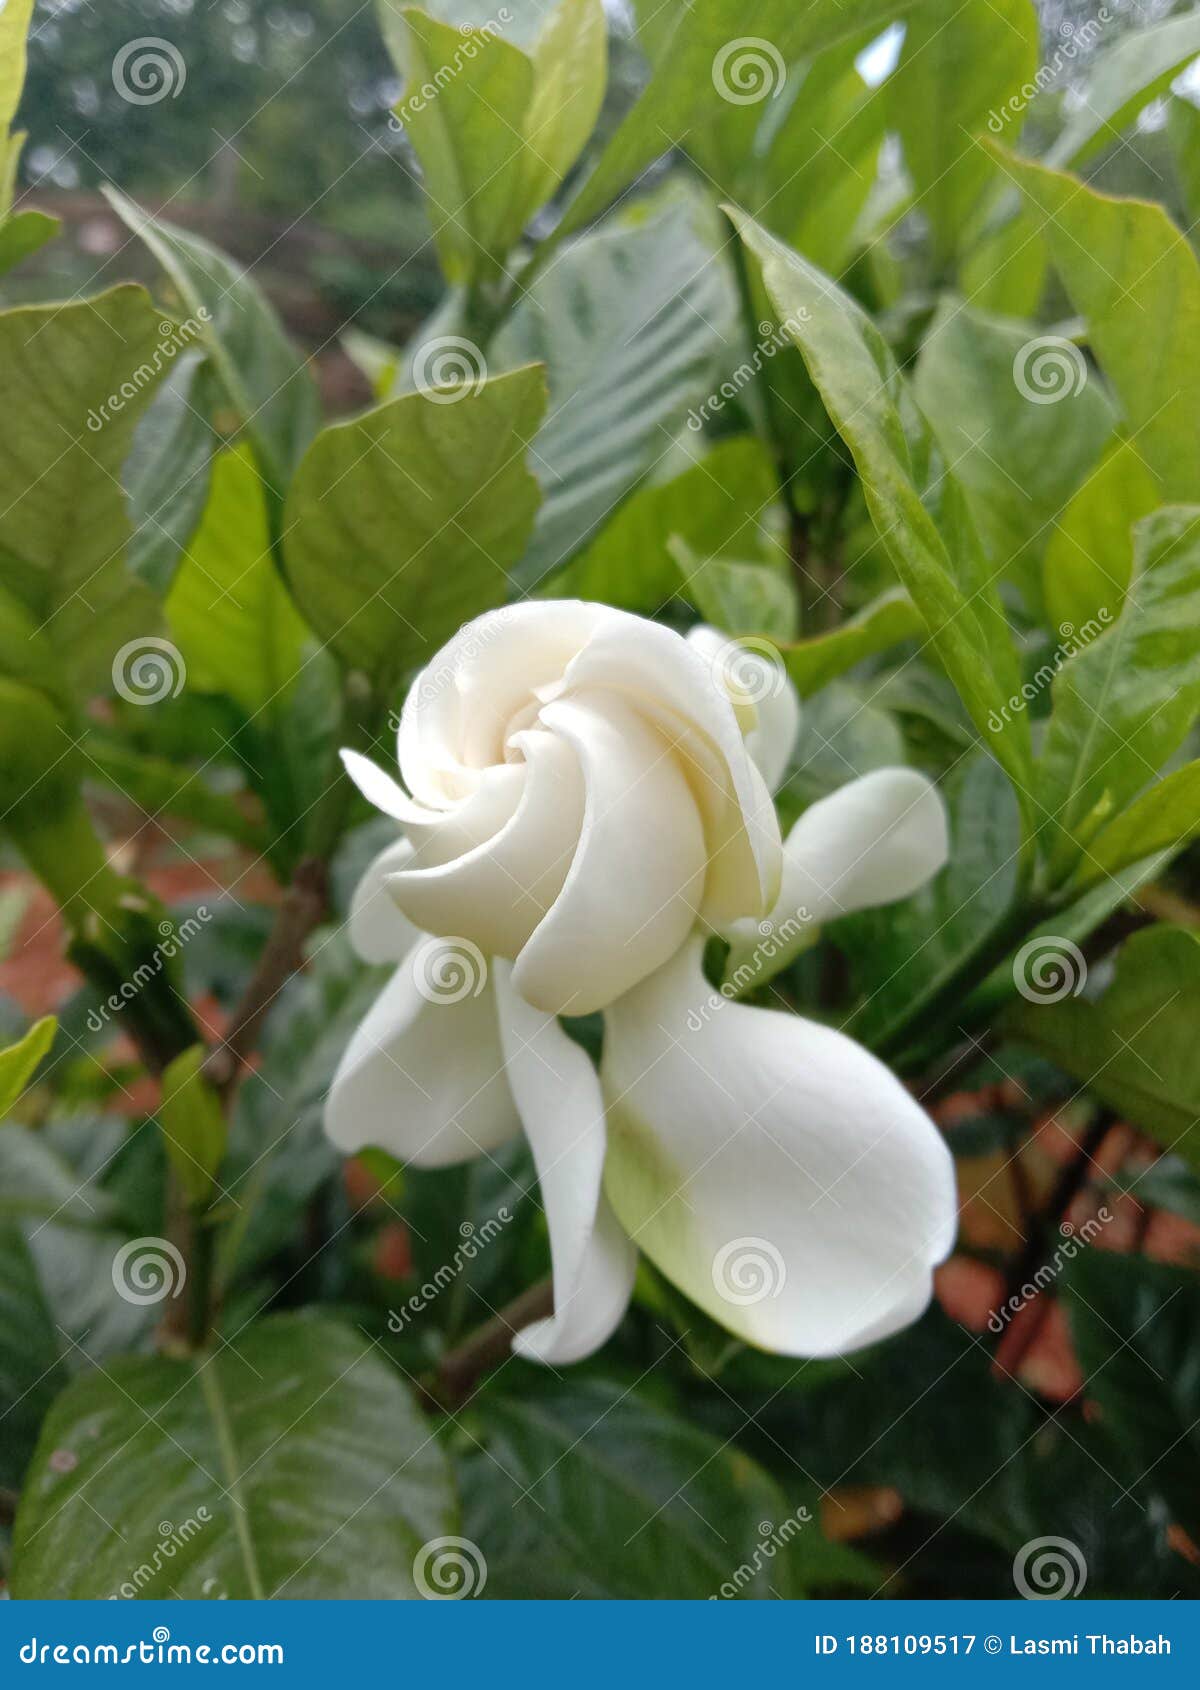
[[586, 802]]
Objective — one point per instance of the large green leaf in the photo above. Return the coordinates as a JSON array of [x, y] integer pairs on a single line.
[[1131, 73], [166, 474], [295, 1452], [1089, 553], [228, 611], [953, 73], [1123, 703], [73, 381], [1135, 280], [570, 70], [887, 620], [1165, 817], [15, 19], [725, 505], [19, 1062], [584, 1489], [407, 521], [1134, 1323], [267, 385], [635, 326], [1135, 1046], [934, 552], [1018, 456]]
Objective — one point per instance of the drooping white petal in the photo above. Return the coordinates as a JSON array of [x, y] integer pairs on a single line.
[[637, 876], [498, 892], [378, 931], [378, 788], [871, 842], [773, 1169], [770, 730], [423, 1076], [558, 1094]]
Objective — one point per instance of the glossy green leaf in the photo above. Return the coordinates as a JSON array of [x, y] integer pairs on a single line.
[[1123, 703], [407, 521], [267, 385], [19, 1062], [740, 598], [292, 1463], [1165, 817], [166, 474], [936, 560], [1019, 449], [635, 327], [1135, 1046], [73, 381], [1121, 80], [1089, 553], [1134, 1324], [1135, 280], [887, 620], [954, 72], [726, 504], [193, 1124], [228, 611]]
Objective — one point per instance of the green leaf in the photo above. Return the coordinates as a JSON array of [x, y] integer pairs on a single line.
[[740, 598], [1123, 704], [954, 71], [1089, 554], [634, 326], [843, 734], [15, 19], [887, 620], [1135, 1047], [193, 1124], [570, 70], [1018, 457], [25, 233], [1134, 1324], [1166, 817], [1183, 129], [865, 395], [159, 786], [228, 611], [724, 505], [406, 522], [20, 1061], [77, 376], [166, 474], [291, 1463], [1126, 266], [267, 385], [584, 1489], [1123, 79]]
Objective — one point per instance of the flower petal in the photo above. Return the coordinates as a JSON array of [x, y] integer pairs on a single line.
[[558, 1094], [378, 788], [871, 842], [631, 895], [771, 737], [423, 1076], [378, 931], [772, 1168]]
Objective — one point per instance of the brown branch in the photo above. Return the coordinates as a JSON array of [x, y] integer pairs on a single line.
[[461, 1369]]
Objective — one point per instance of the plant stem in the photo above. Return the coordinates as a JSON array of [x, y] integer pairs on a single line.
[[461, 1368]]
